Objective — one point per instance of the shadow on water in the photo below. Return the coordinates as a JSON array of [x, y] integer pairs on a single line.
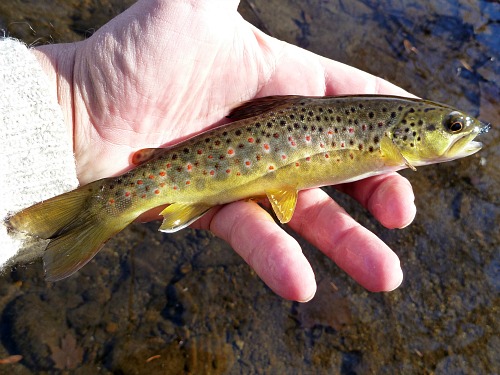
[[153, 303]]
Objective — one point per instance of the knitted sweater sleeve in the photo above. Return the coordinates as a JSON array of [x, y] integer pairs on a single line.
[[36, 157]]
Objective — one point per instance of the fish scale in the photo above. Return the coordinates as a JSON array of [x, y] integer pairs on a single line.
[[276, 147]]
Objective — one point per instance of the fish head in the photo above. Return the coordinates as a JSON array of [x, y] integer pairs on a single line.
[[438, 133]]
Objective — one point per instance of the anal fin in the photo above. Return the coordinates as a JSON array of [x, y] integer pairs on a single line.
[[180, 215], [283, 201]]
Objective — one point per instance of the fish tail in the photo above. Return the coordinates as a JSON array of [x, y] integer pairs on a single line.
[[76, 231]]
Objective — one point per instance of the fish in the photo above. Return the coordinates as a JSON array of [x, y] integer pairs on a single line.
[[274, 147]]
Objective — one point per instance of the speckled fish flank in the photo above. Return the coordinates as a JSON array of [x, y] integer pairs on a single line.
[[276, 147]]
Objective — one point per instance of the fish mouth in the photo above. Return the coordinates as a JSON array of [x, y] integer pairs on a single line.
[[465, 145]]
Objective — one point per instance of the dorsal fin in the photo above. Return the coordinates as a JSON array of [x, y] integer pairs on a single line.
[[259, 106]]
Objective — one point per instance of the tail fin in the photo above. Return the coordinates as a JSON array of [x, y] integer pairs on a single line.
[[77, 232]]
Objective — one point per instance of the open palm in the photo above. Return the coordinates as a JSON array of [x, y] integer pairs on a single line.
[[166, 70]]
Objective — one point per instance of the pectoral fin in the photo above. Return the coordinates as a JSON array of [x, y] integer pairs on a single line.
[[283, 202], [392, 153], [180, 215]]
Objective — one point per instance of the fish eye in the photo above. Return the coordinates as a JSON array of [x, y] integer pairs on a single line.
[[456, 126], [454, 122]]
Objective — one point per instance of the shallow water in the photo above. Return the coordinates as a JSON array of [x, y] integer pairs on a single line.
[[154, 303]]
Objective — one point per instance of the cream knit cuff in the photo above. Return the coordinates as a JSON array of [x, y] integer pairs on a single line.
[[36, 156]]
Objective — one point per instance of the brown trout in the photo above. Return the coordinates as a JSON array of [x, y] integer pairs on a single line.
[[276, 147]]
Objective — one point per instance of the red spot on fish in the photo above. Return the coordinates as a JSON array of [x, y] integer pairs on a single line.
[[248, 163], [351, 155], [127, 193], [266, 147], [238, 174], [308, 158], [351, 130], [251, 140], [162, 184], [308, 138], [230, 151], [330, 132], [228, 171], [199, 152], [175, 187], [169, 165], [380, 124], [297, 164], [188, 182], [321, 145], [157, 191], [271, 167], [283, 157], [189, 167], [342, 144], [327, 156], [111, 201], [143, 196], [162, 173], [276, 135], [210, 156], [151, 177], [212, 172], [139, 182], [363, 127]]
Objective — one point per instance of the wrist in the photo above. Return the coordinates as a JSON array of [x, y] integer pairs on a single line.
[[57, 62]]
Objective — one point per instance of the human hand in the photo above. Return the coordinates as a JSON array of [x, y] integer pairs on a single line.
[[165, 70]]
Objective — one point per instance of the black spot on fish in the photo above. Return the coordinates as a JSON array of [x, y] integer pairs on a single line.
[[320, 129], [186, 150], [302, 117], [330, 111], [320, 109], [310, 113], [339, 119], [269, 124], [351, 142], [207, 140], [224, 133], [318, 118], [257, 125], [420, 122], [400, 108], [371, 115], [313, 128], [353, 109], [412, 110], [289, 128], [292, 117], [360, 105], [241, 145], [431, 127], [174, 156], [376, 139], [237, 132], [393, 114], [304, 127], [296, 125]]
